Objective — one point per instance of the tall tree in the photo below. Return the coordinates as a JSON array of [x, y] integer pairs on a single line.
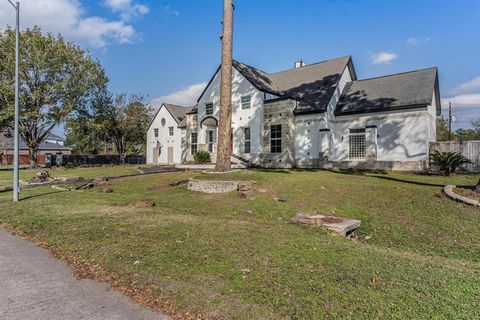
[[57, 77], [123, 120], [224, 147]]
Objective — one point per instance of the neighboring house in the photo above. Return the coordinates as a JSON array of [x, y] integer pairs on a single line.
[[165, 137], [52, 146], [320, 116]]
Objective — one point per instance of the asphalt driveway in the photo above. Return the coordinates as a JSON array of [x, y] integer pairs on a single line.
[[35, 285]]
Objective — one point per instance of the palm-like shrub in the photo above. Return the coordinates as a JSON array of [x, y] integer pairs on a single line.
[[448, 162], [201, 157]]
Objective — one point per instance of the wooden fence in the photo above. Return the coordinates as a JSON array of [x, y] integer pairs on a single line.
[[469, 149]]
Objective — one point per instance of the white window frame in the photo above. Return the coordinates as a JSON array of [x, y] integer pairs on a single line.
[[246, 102], [192, 144], [276, 139], [209, 106], [247, 140], [357, 144], [171, 131], [155, 132], [210, 139]]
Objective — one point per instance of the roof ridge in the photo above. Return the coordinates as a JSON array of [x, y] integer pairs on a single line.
[[396, 74], [311, 64]]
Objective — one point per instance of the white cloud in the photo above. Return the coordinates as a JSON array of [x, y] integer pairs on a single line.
[[384, 57], [171, 11], [127, 8], [69, 18], [465, 100], [471, 86], [464, 95], [185, 97], [414, 41]]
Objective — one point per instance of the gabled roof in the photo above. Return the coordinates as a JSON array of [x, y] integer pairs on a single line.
[[53, 136], [45, 146], [177, 112], [398, 91], [312, 85]]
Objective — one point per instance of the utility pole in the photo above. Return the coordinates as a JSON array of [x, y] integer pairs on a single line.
[[449, 121], [224, 146], [16, 5]]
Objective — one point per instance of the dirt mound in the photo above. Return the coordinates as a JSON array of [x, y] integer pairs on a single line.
[[144, 203]]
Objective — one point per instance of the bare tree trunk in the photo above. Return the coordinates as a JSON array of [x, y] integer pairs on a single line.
[[224, 150], [32, 152]]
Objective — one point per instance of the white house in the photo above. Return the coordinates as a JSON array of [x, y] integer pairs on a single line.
[[314, 116], [164, 137]]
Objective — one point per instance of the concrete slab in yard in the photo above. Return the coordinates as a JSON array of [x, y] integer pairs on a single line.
[[34, 285], [342, 226]]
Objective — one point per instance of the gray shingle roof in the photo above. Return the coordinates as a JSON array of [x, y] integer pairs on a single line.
[[398, 91], [312, 85], [45, 146], [178, 112]]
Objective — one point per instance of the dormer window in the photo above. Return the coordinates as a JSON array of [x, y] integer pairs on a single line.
[[246, 102], [209, 108]]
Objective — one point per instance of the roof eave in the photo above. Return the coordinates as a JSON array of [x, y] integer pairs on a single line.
[[396, 108]]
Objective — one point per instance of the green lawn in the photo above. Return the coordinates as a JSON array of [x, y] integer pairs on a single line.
[[6, 177], [418, 254]]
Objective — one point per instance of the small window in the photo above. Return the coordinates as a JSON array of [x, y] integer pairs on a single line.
[[356, 144], [155, 133], [209, 108], [210, 140], [163, 122], [193, 143], [276, 138], [246, 101], [170, 131], [246, 134]]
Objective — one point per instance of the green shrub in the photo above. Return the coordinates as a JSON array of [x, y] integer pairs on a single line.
[[448, 162], [202, 157]]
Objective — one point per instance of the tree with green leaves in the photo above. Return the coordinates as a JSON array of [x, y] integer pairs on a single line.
[[56, 79], [442, 129], [123, 121], [462, 134]]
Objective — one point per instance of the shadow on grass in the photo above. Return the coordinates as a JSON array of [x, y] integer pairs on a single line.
[[41, 195], [375, 174]]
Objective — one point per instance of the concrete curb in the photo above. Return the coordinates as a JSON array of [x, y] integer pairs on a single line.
[[449, 192]]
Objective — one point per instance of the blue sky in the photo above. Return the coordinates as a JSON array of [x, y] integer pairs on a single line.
[[169, 49]]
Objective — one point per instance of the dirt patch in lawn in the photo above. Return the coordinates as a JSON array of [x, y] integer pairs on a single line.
[[144, 203], [160, 186]]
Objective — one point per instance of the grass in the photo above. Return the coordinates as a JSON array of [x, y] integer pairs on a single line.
[[418, 256], [87, 173]]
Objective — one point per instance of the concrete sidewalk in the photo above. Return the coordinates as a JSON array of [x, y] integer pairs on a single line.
[[35, 285]]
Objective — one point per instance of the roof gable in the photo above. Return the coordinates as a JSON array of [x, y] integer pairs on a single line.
[[398, 91], [178, 113]]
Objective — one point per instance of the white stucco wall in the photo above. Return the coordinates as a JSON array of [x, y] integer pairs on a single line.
[[252, 117], [165, 140], [308, 135], [402, 135]]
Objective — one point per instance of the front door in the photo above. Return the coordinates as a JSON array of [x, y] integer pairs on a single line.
[[155, 155], [324, 147], [170, 155]]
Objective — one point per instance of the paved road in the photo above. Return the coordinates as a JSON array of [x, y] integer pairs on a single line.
[[34, 285]]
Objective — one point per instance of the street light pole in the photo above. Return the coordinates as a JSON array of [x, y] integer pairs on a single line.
[[17, 83]]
